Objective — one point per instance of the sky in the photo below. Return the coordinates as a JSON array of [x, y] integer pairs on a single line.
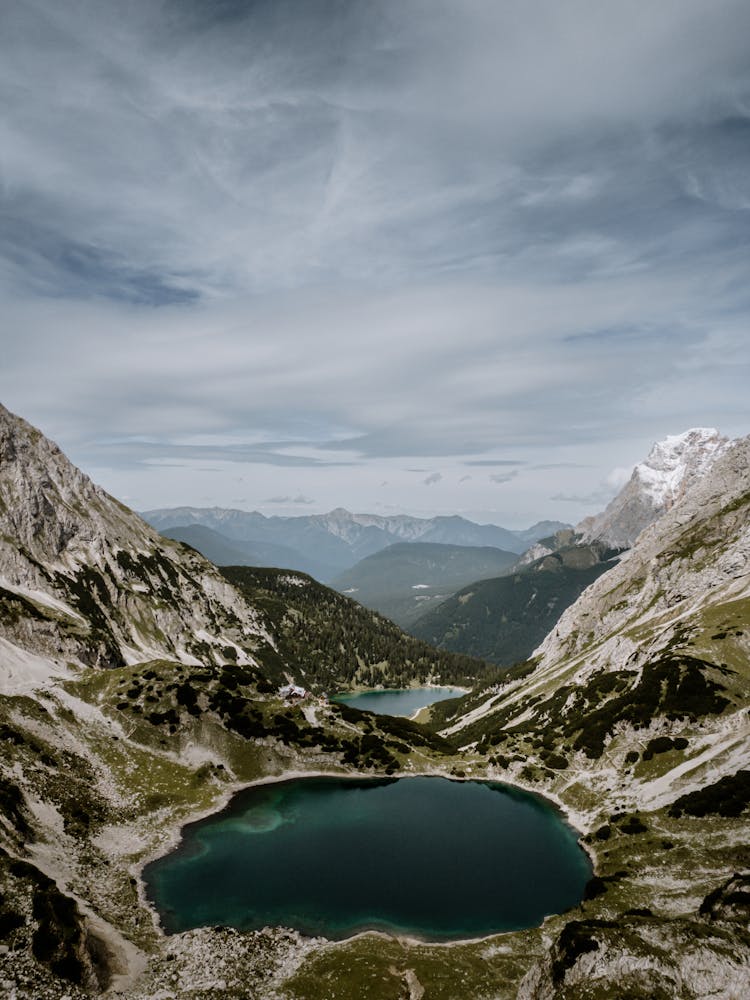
[[401, 256]]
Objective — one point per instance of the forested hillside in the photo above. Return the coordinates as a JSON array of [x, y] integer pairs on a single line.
[[504, 619], [334, 642]]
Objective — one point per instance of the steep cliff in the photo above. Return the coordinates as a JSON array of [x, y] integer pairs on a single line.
[[92, 582], [672, 467]]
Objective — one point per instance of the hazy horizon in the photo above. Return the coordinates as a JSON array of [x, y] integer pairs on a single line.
[[332, 510]]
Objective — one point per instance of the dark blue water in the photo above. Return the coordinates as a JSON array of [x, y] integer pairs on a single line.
[[436, 858], [392, 701]]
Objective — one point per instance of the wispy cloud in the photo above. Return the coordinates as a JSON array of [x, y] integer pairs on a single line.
[[618, 477], [296, 237], [596, 497], [299, 500], [490, 462]]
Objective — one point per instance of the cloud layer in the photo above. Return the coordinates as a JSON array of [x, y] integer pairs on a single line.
[[310, 244]]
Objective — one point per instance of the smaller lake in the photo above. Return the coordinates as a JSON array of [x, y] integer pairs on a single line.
[[428, 856], [393, 701]]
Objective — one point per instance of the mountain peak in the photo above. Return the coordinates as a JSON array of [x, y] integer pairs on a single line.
[[118, 591], [710, 516], [656, 484], [677, 461]]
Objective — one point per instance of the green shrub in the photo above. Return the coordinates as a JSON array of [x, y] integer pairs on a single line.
[[729, 796]]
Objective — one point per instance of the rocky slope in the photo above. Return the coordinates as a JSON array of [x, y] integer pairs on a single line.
[[634, 715], [672, 467], [502, 620], [697, 555], [84, 578]]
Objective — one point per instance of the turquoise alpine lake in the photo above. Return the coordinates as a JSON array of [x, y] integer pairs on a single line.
[[425, 856], [392, 701]]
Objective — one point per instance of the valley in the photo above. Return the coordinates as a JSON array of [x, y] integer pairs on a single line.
[[142, 688], [504, 619], [403, 581]]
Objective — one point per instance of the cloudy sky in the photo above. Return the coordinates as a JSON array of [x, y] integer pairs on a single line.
[[424, 256]]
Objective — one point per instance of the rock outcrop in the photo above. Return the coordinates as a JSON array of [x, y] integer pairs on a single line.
[[90, 581], [672, 467], [696, 554]]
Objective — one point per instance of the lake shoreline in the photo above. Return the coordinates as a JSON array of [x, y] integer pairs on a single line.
[[415, 686], [405, 703], [378, 928]]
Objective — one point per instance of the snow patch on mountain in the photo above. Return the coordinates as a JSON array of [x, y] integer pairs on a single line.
[[655, 485], [677, 461]]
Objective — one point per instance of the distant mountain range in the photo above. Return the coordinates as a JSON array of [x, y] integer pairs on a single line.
[[223, 551], [480, 590], [327, 544], [405, 580]]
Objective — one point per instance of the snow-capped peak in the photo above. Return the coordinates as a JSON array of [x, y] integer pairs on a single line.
[[678, 460], [672, 466]]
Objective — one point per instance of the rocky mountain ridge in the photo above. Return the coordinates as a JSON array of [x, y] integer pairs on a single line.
[[685, 569], [673, 465], [111, 589], [697, 553], [633, 714], [501, 621]]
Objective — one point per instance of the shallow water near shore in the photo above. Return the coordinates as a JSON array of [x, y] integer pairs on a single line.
[[401, 702], [424, 856]]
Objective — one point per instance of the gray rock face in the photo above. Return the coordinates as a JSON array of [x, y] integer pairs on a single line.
[[564, 538], [91, 581], [696, 553], [672, 467], [639, 958]]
